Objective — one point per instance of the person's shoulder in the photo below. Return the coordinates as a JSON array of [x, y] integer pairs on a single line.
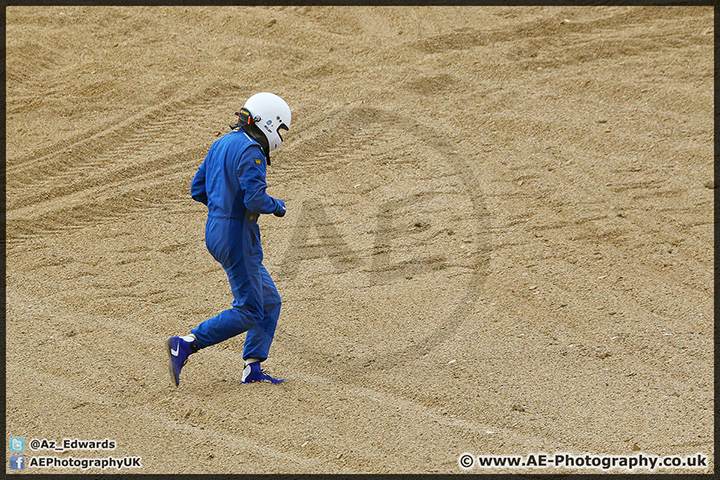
[[250, 145], [248, 150], [241, 137], [254, 154]]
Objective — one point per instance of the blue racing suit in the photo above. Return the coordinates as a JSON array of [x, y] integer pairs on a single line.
[[231, 182]]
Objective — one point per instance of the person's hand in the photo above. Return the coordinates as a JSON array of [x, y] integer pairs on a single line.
[[280, 212]]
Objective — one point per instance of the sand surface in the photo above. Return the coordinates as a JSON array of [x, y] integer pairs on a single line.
[[499, 237]]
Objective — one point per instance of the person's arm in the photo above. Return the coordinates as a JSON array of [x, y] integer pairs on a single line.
[[197, 186], [251, 172]]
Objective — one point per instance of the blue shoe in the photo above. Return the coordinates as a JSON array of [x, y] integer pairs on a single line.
[[253, 373], [178, 351]]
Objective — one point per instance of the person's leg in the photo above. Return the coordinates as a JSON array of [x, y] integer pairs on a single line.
[[227, 242], [234, 321], [260, 337]]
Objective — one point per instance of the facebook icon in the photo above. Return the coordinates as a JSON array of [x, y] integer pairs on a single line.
[[17, 462]]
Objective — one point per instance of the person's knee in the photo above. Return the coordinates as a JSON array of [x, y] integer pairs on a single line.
[[250, 310], [274, 301]]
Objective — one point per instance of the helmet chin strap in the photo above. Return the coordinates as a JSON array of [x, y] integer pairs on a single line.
[[249, 127]]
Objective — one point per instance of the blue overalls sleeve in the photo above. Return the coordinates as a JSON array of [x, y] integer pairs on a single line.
[[251, 172], [197, 186]]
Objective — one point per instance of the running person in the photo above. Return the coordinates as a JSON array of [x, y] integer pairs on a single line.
[[231, 182]]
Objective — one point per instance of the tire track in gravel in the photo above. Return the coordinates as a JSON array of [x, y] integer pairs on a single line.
[[630, 359], [340, 133], [617, 201], [108, 174], [354, 372], [144, 188], [606, 220], [462, 38], [544, 296], [660, 228], [156, 419], [111, 141], [165, 409], [382, 413]]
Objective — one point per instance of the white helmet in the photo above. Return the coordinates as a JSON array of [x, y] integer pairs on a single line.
[[270, 113]]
